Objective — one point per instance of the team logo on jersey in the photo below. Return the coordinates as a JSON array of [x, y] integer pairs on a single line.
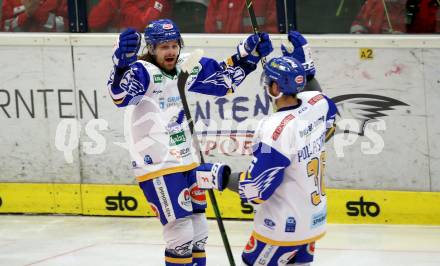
[[184, 200], [364, 108], [254, 188], [198, 196], [251, 245]]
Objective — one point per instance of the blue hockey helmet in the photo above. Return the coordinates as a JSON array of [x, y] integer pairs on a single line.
[[287, 72], [160, 31]]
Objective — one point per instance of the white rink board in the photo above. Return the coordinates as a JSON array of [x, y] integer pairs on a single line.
[[409, 159]]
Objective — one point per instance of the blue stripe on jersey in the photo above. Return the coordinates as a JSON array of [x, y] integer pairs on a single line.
[[332, 110], [266, 173]]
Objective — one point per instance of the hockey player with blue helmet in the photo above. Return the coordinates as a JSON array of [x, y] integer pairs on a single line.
[[284, 181], [163, 158]]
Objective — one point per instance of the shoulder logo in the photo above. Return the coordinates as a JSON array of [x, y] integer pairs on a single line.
[[276, 134]]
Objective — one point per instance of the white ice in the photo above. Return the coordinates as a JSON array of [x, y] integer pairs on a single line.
[[111, 241]]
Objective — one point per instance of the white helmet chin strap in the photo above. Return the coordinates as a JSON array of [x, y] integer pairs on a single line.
[[272, 96]]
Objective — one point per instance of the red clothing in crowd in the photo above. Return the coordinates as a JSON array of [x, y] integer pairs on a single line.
[[115, 15], [231, 16], [372, 17], [50, 15]]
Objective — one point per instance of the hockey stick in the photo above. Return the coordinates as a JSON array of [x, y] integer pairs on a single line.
[[187, 67], [250, 9]]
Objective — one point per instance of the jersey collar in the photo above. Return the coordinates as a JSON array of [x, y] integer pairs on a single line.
[[290, 107]]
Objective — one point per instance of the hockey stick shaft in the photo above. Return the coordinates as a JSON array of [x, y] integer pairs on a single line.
[[183, 76], [250, 8]]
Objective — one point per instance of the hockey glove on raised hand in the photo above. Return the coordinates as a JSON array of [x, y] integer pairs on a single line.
[[126, 48], [213, 176], [254, 47], [300, 51]]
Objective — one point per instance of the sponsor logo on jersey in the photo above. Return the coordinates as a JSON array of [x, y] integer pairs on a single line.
[[198, 196], [158, 78], [316, 99], [269, 223], [364, 108], [157, 91], [164, 198], [121, 203], [251, 245], [184, 200], [286, 257], [147, 159], [290, 225], [276, 134], [318, 219], [363, 208], [133, 164], [177, 138], [311, 127]]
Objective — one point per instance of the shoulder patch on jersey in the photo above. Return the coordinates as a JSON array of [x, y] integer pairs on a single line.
[[315, 99], [276, 134]]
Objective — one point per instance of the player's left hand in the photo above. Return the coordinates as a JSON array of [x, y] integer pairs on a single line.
[[254, 47], [213, 176], [300, 51]]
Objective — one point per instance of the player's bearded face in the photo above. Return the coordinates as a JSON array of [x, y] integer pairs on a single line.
[[166, 54]]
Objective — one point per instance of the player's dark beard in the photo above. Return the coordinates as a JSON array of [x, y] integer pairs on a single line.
[[152, 59]]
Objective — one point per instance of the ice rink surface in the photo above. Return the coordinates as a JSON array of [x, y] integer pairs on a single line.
[[111, 241]]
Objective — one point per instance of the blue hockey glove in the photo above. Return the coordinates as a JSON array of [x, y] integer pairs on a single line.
[[300, 51], [213, 176], [126, 48], [254, 47]]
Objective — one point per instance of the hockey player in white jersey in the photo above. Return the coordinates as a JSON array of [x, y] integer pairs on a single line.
[[163, 157], [285, 178]]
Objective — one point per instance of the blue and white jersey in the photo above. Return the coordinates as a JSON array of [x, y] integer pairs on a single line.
[[155, 125], [286, 176]]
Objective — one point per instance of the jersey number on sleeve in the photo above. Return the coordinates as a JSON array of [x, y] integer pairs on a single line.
[[315, 169]]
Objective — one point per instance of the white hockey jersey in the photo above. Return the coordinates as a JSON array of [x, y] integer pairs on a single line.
[[286, 175], [155, 126]]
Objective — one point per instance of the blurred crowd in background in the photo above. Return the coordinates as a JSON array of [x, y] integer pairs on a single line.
[[227, 16]]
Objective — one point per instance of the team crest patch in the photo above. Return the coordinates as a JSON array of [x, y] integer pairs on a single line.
[[251, 245], [299, 79]]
